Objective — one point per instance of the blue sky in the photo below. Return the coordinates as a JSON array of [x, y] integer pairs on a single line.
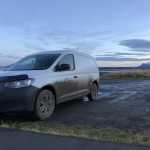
[[116, 32]]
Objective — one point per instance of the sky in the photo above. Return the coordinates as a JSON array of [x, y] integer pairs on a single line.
[[116, 32]]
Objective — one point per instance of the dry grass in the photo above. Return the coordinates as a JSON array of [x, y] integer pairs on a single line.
[[136, 74], [82, 131]]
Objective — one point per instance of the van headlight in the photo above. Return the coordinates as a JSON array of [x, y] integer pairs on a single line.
[[18, 84]]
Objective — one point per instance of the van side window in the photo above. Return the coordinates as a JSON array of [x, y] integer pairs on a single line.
[[69, 60]]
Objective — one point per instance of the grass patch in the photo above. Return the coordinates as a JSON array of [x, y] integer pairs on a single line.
[[137, 74], [82, 131]]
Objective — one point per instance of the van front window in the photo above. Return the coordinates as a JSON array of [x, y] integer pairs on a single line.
[[34, 62]]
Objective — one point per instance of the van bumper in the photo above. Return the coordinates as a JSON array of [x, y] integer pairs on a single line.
[[21, 99]]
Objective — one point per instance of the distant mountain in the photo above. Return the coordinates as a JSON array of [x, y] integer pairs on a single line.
[[145, 66], [109, 69], [116, 68]]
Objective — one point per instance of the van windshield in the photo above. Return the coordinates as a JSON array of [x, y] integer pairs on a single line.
[[34, 62]]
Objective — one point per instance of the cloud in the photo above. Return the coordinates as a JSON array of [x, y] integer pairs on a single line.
[[103, 45], [47, 40], [7, 59], [11, 56], [136, 44]]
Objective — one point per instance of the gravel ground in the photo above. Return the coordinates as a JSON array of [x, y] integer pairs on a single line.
[[121, 104]]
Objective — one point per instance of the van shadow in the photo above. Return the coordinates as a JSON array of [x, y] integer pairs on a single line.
[[22, 116]]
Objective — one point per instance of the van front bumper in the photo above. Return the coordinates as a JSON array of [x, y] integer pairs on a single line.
[[21, 99]]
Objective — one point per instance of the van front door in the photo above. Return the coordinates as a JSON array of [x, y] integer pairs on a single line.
[[67, 84]]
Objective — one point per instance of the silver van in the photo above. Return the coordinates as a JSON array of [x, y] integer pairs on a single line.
[[40, 81]]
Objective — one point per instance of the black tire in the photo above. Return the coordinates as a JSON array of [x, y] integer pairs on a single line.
[[44, 105], [93, 92]]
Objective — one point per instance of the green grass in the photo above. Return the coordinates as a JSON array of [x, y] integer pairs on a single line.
[[82, 131], [137, 74]]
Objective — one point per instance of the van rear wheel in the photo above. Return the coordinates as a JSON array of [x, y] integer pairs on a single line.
[[44, 104], [93, 92]]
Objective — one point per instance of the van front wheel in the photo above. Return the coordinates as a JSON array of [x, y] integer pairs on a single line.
[[44, 104], [93, 92]]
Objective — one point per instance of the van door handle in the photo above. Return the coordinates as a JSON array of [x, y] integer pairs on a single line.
[[75, 76]]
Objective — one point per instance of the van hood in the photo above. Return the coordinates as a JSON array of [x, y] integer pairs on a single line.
[[29, 73]]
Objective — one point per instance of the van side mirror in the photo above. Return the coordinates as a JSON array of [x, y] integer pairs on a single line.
[[63, 67]]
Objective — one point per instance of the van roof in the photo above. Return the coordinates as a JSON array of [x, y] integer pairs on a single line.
[[55, 51], [63, 52]]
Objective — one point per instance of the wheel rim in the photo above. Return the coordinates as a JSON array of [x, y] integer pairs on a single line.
[[94, 91], [45, 104]]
